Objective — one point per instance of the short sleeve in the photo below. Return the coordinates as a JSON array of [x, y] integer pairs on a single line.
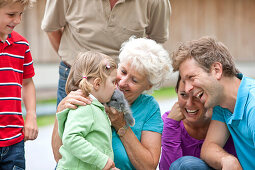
[[54, 16], [218, 114], [158, 28], [28, 67], [251, 123], [153, 121]]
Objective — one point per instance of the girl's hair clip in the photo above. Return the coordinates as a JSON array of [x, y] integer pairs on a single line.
[[107, 66], [85, 77]]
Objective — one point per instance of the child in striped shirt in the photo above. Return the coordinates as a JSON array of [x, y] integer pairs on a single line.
[[16, 84]]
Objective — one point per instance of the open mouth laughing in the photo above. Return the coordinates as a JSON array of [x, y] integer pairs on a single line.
[[11, 27], [191, 112]]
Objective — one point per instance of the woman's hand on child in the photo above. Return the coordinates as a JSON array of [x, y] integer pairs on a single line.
[[176, 113], [110, 165], [74, 99]]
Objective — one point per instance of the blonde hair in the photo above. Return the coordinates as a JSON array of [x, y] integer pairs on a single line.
[[26, 3], [89, 65], [205, 51]]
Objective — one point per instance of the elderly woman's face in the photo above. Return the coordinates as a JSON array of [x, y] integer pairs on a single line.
[[131, 82]]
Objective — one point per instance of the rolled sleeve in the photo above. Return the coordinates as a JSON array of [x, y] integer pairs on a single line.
[[54, 16], [158, 28]]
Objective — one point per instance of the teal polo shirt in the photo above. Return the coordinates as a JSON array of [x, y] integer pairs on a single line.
[[241, 124]]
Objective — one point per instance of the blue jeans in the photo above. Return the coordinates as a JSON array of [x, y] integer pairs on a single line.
[[189, 163], [63, 74], [12, 157]]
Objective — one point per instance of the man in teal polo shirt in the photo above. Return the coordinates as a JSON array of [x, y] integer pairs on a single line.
[[208, 71], [241, 123]]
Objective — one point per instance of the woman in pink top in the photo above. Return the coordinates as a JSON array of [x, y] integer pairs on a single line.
[[185, 128]]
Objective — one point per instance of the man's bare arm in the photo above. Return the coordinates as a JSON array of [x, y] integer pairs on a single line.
[[56, 142], [212, 150], [55, 38]]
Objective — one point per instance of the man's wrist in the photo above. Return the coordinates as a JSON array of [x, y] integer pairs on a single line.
[[229, 159]]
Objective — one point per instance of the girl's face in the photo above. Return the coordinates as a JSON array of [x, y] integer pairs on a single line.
[[191, 106], [107, 88], [131, 82], [10, 17]]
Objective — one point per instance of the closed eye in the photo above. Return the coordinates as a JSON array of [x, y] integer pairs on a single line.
[[11, 15], [184, 95], [123, 72], [134, 80]]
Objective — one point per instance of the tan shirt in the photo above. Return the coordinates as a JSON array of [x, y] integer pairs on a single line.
[[92, 25]]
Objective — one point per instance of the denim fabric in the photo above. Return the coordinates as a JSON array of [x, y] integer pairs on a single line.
[[63, 74], [189, 163], [12, 157]]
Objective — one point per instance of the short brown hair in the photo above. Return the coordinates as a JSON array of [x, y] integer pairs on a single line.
[[89, 64], [205, 51], [23, 2]]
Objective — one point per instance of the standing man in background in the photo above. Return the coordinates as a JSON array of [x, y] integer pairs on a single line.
[[101, 25]]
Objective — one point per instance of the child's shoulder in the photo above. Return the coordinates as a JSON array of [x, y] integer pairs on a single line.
[[87, 108], [82, 108], [16, 37]]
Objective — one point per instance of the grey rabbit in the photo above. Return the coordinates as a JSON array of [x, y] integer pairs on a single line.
[[119, 102]]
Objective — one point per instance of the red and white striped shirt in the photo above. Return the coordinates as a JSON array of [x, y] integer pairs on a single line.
[[16, 64]]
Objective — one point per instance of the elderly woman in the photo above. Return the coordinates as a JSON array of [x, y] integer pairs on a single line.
[[144, 66], [185, 128]]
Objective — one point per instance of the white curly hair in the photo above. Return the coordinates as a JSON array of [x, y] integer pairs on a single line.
[[147, 56]]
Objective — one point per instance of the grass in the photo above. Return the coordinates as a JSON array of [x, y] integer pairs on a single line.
[[48, 101], [164, 93], [45, 120], [161, 94]]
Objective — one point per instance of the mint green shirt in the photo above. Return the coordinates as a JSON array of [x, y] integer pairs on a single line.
[[86, 136]]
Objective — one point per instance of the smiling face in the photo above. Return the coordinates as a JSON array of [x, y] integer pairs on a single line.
[[10, 16], [201, 84], [191, 106], [131, 82]]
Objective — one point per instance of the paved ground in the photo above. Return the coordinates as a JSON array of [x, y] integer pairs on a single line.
[[39, 154]]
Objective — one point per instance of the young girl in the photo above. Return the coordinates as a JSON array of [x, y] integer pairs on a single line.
[[86, 133]]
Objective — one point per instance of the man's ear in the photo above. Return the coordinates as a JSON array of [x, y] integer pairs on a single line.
[[96, 83], [217, 70]]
